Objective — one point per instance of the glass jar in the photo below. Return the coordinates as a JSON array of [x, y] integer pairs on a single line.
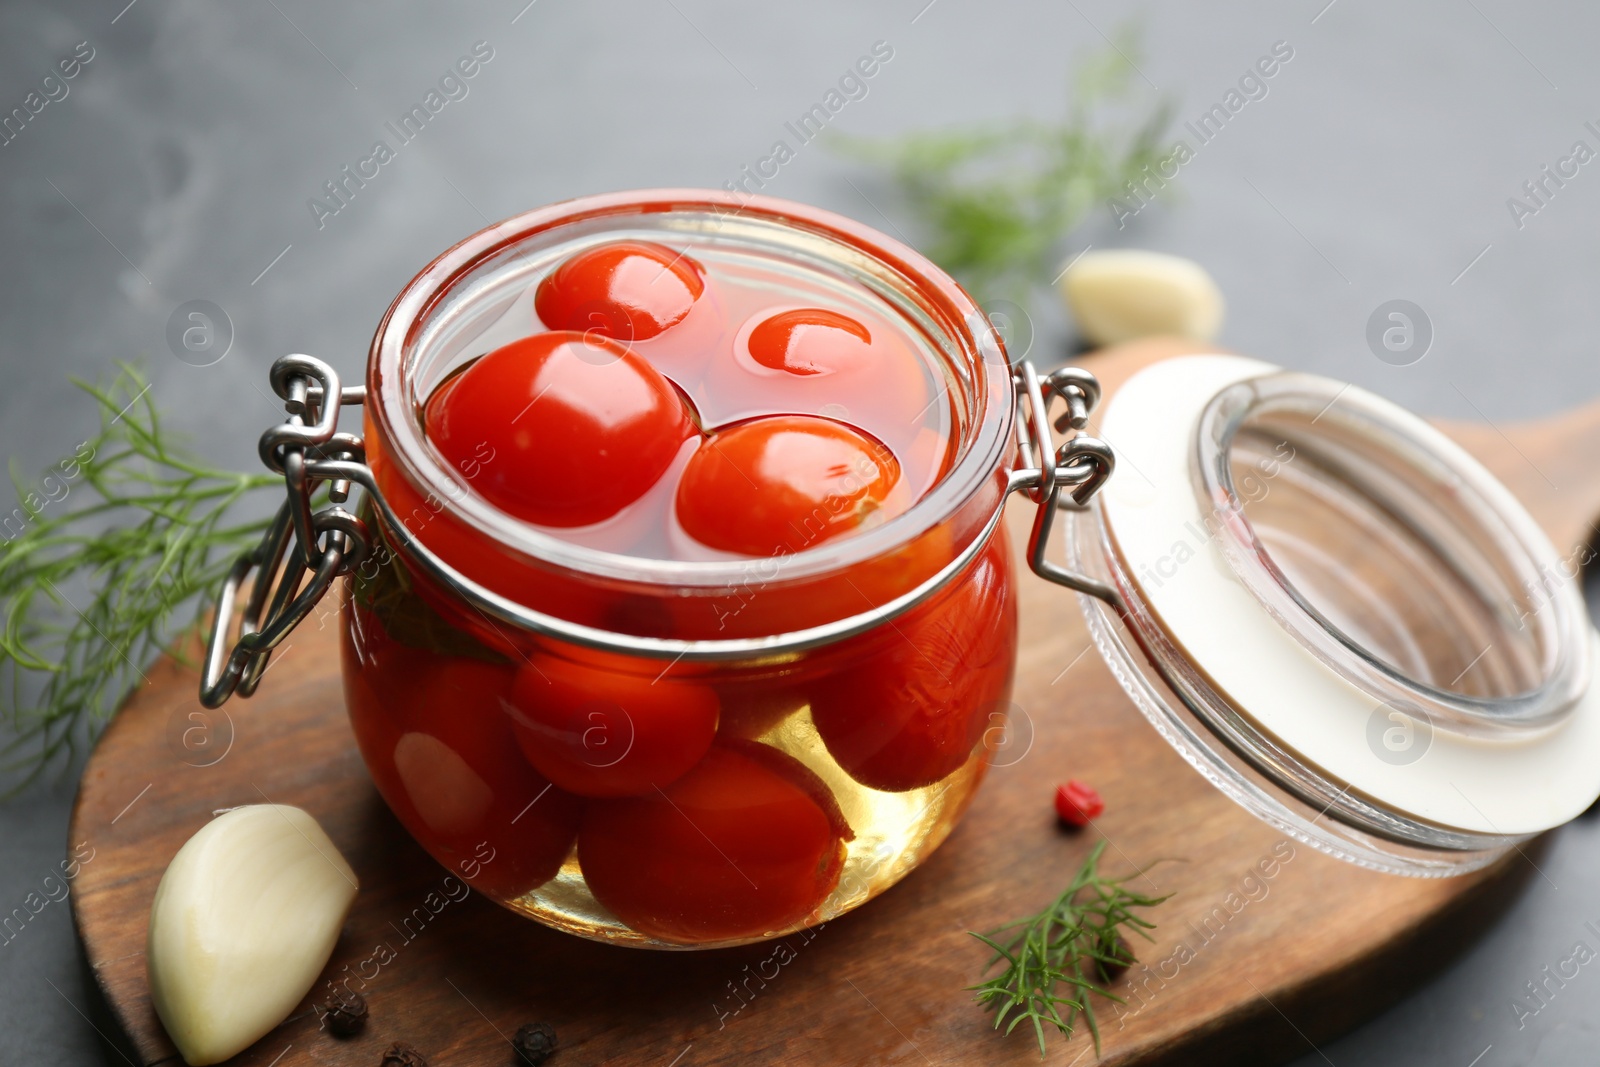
[[673, 752], [1336, 615]]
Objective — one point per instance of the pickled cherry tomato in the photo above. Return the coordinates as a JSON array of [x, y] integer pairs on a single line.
[[754, 704], [453, 772], [845, 365], [628, 290], [810, 341], [748, 842], [784, 483], [600, 731], [912, 710], [559, 429]]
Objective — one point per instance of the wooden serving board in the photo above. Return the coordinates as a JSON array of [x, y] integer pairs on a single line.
[[1245, 968]]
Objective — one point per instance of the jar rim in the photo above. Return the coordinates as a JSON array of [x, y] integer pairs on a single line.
[[1507, 533], [987, 437]]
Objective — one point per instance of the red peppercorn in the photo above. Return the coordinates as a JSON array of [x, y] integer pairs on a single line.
[[1077, 803]]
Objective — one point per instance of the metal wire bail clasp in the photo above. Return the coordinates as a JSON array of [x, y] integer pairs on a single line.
[[1081, 463], [301, 541]]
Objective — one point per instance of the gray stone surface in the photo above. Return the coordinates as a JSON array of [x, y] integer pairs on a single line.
[[179, 165]]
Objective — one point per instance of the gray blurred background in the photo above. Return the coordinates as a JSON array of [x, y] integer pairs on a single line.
[[179, 165]]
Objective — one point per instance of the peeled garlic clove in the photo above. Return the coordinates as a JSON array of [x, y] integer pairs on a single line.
[[1120, 294], [244, 920]]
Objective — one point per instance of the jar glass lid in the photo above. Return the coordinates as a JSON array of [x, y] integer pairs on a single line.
[[1338, 616]]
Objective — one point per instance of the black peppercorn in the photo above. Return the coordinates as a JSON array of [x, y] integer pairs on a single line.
[[1120, 953], [535, 1043], [400, 1055], [345, 1013]]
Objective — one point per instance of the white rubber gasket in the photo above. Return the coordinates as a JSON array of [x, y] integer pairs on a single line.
[[1510, 785]]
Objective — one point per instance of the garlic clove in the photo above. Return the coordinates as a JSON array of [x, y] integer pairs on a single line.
[[243, 922], [1121, 294]]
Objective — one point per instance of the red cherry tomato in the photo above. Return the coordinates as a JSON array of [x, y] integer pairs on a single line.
[[559, 429], [810, 341], [629, 291], [915, 704], [783, 484], [1078, 804], [600, 731], [857, 368], [437, 737], [747, 843]]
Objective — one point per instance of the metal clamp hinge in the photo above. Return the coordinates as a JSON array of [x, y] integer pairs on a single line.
[[1080, 464], [301, 541]]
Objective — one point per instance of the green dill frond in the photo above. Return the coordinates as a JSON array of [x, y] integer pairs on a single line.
[[997, 201], [96, 560], [1066, 944]]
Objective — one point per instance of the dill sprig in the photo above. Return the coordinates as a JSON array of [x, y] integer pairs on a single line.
[[91, 583], [1076, 937], [998, 200]]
